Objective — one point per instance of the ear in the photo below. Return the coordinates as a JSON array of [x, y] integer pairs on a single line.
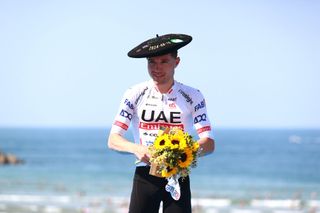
[[177, 61]]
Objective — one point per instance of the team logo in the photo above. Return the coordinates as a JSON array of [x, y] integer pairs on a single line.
[[174, 117]]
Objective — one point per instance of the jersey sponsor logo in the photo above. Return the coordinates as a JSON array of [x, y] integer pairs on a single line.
[[141, 95], [153, 97], [148, 143], [128, 103], [120, 124], [186, 96], [126, 114], [157, 126], [200, 118], [200, 105], [204, 129], [175, 194], [172, 99], [153, 105], [152, 134], [172, 105], [174, 117]]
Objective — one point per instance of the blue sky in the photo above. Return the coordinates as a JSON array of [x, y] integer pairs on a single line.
[[64, 63]]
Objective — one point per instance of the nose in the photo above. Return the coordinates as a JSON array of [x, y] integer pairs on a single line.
[[156, 66]]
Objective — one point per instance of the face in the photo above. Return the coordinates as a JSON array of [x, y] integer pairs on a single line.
[[161, 68]]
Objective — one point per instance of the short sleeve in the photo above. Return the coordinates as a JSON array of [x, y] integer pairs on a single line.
[[125, 113], [200, 116]]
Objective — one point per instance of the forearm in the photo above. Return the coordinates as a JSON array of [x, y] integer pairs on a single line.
[[207, 145], [121, 144]]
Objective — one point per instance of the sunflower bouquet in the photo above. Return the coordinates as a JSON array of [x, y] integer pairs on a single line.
[[173, 153]]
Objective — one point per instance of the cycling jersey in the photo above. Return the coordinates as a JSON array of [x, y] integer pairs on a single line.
[[148, 110]]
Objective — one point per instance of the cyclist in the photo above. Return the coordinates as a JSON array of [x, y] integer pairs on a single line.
[[148, 106]]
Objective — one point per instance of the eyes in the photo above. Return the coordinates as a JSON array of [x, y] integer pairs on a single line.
[[163, 61]]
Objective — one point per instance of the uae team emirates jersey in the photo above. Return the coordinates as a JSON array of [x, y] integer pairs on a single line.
[[148, 110]]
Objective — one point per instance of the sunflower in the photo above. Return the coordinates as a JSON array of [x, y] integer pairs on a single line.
[[186, 158], [169, 171], [195, 146], [173, 152], [178, 141], [162, 141]]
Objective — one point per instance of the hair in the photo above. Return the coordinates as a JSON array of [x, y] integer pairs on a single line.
[[174, 53]]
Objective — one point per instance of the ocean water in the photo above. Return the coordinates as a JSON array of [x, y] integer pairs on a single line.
[[247, 164]]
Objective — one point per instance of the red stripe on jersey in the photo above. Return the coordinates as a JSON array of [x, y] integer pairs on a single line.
[[204, 129], [122, 125]]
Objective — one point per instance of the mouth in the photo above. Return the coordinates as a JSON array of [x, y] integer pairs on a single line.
[[157, 74]]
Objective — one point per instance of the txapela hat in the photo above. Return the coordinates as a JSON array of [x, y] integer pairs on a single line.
[[160, 45]]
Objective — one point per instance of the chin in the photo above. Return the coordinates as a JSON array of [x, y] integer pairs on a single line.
[[156, 80]]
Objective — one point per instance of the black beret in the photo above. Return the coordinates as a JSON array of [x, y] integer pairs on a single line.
[[160, 45]]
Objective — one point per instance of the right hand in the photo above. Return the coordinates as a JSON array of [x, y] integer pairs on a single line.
[[142, 154]]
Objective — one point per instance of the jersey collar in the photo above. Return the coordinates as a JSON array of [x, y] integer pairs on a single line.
[[171, 90]]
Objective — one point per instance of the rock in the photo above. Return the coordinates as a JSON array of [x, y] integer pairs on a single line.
[[9, 159], [2, 159]]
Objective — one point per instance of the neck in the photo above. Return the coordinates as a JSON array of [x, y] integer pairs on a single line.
[[164, 88]]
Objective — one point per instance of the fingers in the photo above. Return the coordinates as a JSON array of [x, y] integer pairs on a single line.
[[145, 159], [142, 154]]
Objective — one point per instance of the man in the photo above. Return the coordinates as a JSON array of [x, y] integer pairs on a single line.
[[148, 106]]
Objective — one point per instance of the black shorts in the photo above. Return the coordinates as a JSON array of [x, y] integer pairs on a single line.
[[148, 191]]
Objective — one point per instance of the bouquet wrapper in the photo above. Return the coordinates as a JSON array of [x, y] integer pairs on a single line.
[[153, 170]]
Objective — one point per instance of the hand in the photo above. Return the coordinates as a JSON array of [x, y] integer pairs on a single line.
[[142, 154]]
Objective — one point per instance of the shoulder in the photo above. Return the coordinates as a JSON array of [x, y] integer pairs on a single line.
[[190, 94], [186, 88], [137, 88], [135, 92]]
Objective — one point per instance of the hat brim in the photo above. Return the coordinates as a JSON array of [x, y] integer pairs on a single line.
[[160, 45]]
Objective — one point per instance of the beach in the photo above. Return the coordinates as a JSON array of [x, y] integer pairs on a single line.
[[72, 170]]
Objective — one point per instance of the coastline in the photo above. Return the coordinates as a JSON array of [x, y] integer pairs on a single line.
[[71, 170], [81, 203]]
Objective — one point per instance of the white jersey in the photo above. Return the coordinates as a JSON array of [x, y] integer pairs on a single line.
[[148, 110]]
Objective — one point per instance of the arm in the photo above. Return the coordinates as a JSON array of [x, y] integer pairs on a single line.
[[121, 144], [207, 145], [202, 124]]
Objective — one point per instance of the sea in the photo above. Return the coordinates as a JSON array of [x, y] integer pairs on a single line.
[[72, 170]]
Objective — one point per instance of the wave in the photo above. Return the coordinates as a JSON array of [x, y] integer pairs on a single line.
[[67, 203]]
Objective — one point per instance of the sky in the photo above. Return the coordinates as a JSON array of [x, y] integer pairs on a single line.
[[64, 63]]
